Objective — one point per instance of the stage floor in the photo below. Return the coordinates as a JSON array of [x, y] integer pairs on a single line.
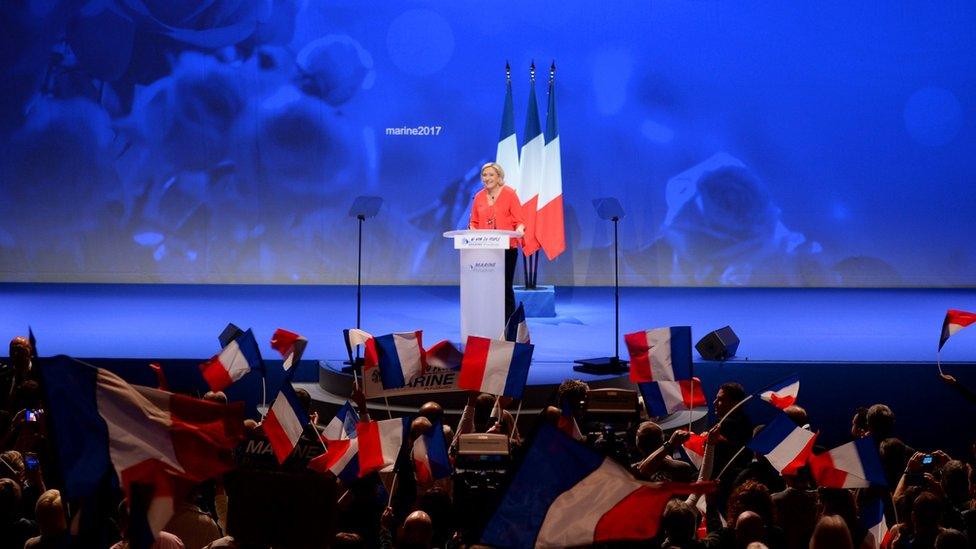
[[183, 321]]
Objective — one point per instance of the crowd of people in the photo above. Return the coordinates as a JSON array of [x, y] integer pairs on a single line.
[[927, 501]]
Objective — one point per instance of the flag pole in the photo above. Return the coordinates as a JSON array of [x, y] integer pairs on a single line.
[[938, 361], [731, 460], [393, 484], [530, 285], [515, 422]]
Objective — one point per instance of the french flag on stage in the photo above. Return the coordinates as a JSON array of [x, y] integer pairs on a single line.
[[145, 436], [955, 320], [429, 454], [516, 329], [565, 494], [661, 354], [694, 449], [399, 356], [341, 458], [782, 394], [285, 423], [238, 357], [786, 445], [343, 425], [852, 465], [507, 154], [495, 367], [379, 443], [531, 169], [290, 345], [665, 397], [549, 226]]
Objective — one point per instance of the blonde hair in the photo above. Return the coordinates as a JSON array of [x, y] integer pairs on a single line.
[[495, 166]]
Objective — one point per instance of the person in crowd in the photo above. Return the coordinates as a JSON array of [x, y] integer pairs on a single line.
[[798, 414], [436, 502], [954, 480], [840, 502], [164, 540], [658, 464], [51, 522], [796, 509], [952, 539], [191, 524], [348, 540], [678, 527], [831, 533], [926, 524], [752, 497], [15, 529], [497, 206]]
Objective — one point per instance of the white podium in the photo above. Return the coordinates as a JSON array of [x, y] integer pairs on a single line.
[[482, 280]]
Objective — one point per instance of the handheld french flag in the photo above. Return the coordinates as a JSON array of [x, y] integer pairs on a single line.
[[379, 443], [103, 425], [783, 393], [955, 320], [516, 329], [567, 422], [238, 357], [290, 345], [786, 445], [495, 367], [399, 356], [343, 425], [661, 354], [443, 355], [567, 495], [285, 423], [429, 454], [665, 397], [873, 520], [694, 449], [341, 458], [852, 465]]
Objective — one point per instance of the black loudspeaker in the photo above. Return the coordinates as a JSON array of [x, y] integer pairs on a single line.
[[718, 345]]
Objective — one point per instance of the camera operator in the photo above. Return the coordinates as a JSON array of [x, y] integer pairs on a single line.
[[657, 464]]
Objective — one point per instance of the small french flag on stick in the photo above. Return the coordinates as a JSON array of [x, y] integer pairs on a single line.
[[343, 425], [285, 422], [661, 354], [516, 329], [694, 448], [665, 397], [430, 458], [786, 445], [238, 357], [290, 345], [782, 394], [495, 367], [341, 458], [955, 320], [852, 465], [379, 443]]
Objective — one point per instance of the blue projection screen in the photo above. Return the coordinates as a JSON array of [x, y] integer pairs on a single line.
[[751, 144]]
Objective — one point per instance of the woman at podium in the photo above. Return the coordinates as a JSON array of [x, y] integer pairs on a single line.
[[498, 207]]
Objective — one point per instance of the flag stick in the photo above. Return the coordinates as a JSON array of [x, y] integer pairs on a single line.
[[264, 396], [719, 475], [515, 422], [392, 489], [938, 361], [389, 411], [343, 496]]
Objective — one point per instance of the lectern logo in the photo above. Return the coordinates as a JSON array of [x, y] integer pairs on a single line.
[[482, 266], [480, 240]]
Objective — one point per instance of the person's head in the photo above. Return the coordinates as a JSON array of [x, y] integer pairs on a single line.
[[894, 456], [20, 354], [831, 533], [903, 503], [215, 396], [350, 540], [50, 513], [859, 422], [9, 500], [419, 427], [926, 514], [840, 502], [750, 496], [728, 395], [417, 530], [12, 465], [483, 406], [572, 393], [304, 399], [650, 437], [797, 414], [436, 502], [492, 175], [749, 527], [679, 522], [881, 422], [955, 481], [951, 539], [431, 410]]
